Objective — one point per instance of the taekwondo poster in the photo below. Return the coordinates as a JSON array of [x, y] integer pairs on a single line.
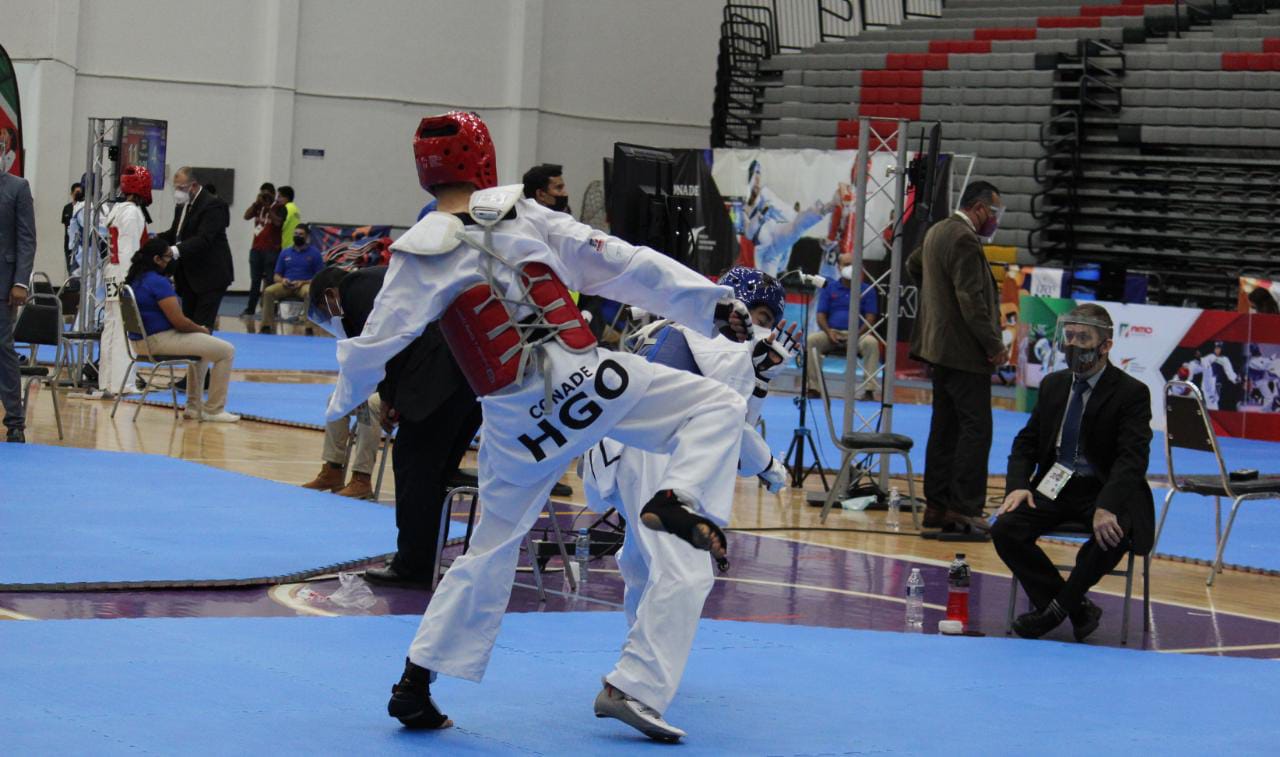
[[10, 118], [775, 197], [1233, 357]]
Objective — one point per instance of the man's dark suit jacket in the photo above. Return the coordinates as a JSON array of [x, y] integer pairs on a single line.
[[1115, 436], [420, 377], [204, 257]]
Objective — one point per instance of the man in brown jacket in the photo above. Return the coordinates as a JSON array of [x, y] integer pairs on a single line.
[[957, 332]]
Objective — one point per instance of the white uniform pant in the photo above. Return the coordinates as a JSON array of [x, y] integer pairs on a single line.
[[696, 420], [113, 353], [667, 581]]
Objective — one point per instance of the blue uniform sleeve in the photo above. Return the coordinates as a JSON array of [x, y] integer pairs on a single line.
[[317, 263]]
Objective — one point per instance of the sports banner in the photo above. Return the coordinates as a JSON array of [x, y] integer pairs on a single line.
[[329, 236], [1233, 357], [1258, 296], [777, 197], [10, 118]]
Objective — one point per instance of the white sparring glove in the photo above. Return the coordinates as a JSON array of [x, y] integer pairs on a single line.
[[774, 478], [733, 319]]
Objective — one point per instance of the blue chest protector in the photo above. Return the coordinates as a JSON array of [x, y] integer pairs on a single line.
[[671, 348]]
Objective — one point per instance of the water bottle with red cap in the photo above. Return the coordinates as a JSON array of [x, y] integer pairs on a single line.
[[958, 591]]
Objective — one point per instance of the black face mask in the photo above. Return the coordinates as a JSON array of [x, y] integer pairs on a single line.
[[1081, 359], [299, 241], [170, 268], [560, 203]]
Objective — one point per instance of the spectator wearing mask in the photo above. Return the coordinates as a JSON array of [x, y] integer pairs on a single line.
[[832, 315], [268, 216], [544, 184], [292, 216], [172, 332], [68, 212], [294, 269], [1082, 458], [424, 392], [957, 332], [198, 238]]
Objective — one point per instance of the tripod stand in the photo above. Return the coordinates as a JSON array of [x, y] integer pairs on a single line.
[[802, 435]]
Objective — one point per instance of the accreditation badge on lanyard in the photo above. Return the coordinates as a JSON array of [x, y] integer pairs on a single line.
[[1054, 481]]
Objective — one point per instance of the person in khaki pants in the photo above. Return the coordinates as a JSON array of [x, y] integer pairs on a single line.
[[295, 267], [832, 317], [169, 332], [332, 475]]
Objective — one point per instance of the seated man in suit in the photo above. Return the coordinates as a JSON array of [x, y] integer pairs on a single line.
[[1082, 457]]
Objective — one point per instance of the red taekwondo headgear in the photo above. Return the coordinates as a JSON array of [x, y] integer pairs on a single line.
[[136, 180], [455, 147]]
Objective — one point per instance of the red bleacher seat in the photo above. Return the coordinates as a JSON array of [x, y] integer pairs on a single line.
[[1147, 2], [916, 61], [909, 112], [893, 78], [959, 46], [1068, 22], [1014, 34], [1271, 45], [1268, 61], [1098, 11]]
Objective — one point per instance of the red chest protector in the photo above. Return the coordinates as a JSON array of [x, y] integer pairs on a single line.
[[115, 242], [487, 342]]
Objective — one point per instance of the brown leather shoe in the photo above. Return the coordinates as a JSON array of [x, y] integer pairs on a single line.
[[359, 487], [329, 479]]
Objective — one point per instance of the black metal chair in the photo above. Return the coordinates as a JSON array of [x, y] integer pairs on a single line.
[[855, 444], [131, 320], [1187, 426], [40, 325], [1072, 530]]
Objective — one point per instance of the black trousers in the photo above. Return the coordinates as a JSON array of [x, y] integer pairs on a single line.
[[262, 268], [201, 307], [955, 460], [424, 457], [1015, 535]]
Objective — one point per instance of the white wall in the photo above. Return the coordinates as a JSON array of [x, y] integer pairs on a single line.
[[246, 84]]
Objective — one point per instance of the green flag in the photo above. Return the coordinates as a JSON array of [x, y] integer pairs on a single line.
[[10, 118]]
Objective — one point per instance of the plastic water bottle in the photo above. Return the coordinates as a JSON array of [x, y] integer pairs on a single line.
[[915, 602], [581, 554], [894, 519], [958, 591]]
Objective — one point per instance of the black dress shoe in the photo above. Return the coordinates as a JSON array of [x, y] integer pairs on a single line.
[[1085, 619], [934, 517], [1033, 625], [411, 701], [15, 436], [389, 576], [966, 524]]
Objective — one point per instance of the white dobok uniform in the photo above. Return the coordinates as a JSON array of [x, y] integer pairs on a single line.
[[127, 230], [774, 229], [666, 579], [1209, 381], [563, 401]]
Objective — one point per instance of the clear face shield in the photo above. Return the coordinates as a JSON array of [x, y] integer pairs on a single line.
[[1079, 343]]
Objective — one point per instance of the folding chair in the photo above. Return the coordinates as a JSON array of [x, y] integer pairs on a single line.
[[40, 324], [459, 492], [1071, 531], [855, 444], [1187, 426], [131, 319]]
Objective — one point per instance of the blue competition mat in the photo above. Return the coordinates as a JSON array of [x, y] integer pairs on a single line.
[[276, 352], [320, 686], [85, 516], [290, 404]]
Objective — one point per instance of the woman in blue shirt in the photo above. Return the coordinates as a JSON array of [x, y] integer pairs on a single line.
[[169, 332]]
